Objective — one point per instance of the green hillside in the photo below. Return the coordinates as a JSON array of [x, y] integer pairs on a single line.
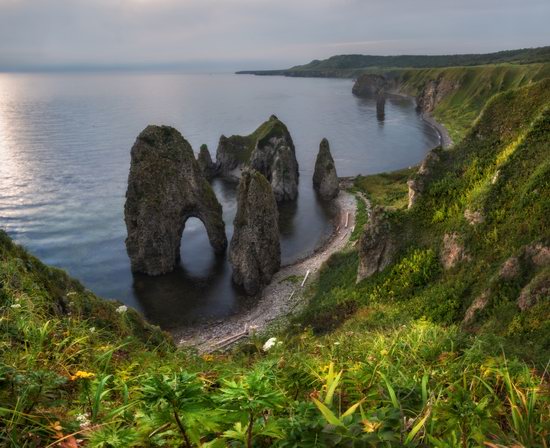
[[472, 88], [400, 359], [350, 65]]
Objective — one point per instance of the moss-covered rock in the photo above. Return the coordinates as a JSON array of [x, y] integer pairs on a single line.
[[165, 188], [269, 150], [204, 159], [325, 179], [255, 251]]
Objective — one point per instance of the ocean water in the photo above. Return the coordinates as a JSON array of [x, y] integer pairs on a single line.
[[65, 144]]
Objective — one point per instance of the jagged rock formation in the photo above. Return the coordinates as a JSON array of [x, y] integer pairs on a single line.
[[453, 251], [433, 92], [537, 289], [269, 150], [205, 162], [478, 305], [370, 85], [233, 153], [376, 245], [165, 188], [417, 184], [255, 251], [325, 179]]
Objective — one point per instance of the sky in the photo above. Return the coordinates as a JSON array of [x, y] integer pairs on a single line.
[[220, 35]]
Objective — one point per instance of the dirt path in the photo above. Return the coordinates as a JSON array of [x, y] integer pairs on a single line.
[[281, 296]]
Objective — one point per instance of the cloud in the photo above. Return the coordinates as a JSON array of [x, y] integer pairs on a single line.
[[112, 32]]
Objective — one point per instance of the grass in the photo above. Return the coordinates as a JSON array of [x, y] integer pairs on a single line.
[[388, 189]]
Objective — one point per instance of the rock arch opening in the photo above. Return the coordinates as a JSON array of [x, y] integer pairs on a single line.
[[165, 188]]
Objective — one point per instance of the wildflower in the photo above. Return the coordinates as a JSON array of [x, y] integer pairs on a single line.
[[121, 309], [92, 329], [82, 374], [370, 426], [16, 305], [384, 352], [207, 357], [83, 420], [269, 344], [337, 343]]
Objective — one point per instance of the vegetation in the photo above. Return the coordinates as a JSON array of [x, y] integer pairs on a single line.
[[349, 65], [388, 362], [472, 87]]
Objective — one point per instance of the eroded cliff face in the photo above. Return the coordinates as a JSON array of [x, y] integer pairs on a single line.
[[377, 246], [417, 184], [269, 150], [165, 188], [325, 179], [255, 251], [433, 92]]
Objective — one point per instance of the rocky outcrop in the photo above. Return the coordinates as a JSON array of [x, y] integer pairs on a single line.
[[165, 188], [254, 251], [453, 251], [536, 290], [417, 184], [205, 162], [478, 305], [510, 269], [274, 156], [325, 179], [376, 245], [473, 217], [433, 92], [369, 85], [233, 153], [269, 150]]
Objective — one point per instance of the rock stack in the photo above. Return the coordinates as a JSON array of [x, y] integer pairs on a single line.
[[269, 150], [165, 188], [325, 179], [205, 162], [254, 251]]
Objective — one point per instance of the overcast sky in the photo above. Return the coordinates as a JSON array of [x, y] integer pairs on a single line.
[[246, 34]]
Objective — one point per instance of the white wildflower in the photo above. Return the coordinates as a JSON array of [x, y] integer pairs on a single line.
[[83, 420], [269, 344], [122, 309], [16, 305], [92, 329]]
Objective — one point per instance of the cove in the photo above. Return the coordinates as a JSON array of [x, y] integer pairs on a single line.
[[64, 160]]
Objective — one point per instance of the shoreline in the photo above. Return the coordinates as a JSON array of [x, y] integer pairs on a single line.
[[445, 139], [281, 296]]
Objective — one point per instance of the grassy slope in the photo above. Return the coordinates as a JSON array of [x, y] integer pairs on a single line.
[[476, 86], [412, 376]]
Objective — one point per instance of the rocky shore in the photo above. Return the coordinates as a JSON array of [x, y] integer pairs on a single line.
[[282, 296]]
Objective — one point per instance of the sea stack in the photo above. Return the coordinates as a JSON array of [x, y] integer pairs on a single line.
[[275, 157], [255, 251], [165, 188], [205, 162], [325, 179], [269, 150]]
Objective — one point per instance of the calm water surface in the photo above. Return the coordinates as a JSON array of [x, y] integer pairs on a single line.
[[65, 151]]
